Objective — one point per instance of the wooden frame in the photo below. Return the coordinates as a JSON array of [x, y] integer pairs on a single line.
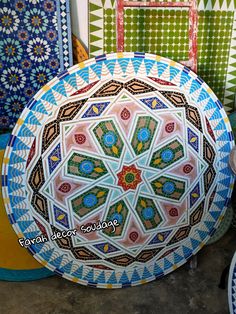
[[193, 19]]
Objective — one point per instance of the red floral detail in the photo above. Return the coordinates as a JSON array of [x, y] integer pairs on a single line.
[[187, 168], [209, 129], [125, 114], [80, 138], [65, 187], [173, 212], [162, 82], [85, 89], [129, 177], [170, 127], [41, 228], [133, 236], [31, 153]]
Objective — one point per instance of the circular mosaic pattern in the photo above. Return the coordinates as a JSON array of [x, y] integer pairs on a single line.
[[129, 152]]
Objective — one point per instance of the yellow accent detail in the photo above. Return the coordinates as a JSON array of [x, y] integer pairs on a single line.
[[44, 263], [115, 149], [20, 235], [201, 245], [20, 121], [221, 218], [45, 88], [174, 267], [60, 217], [6, 200], [6, 160], [106, 247], [140, 146], [81, 65], [209, 90], [157, 161], [172, 63], [100, 194], [143, 281], [231, 186], [119, 208], [109, 286], [95, 109], [158, 58], [160, 237], [154, 103], [195, 195], [226, 119], [193, 139], [75, 279], [120, 55], [158, 184], [54, 158], [98, 169], [143, 203]]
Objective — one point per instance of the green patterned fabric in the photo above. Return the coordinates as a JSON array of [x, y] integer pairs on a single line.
[[165, 32]]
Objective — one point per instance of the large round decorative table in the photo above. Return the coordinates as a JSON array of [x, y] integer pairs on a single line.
[[117, 171]]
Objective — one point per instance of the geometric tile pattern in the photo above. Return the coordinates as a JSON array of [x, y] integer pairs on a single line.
[[170, 153], [157, 168], [166, 31], [168, 187], [229, 96], [35, 45], [232, 286]]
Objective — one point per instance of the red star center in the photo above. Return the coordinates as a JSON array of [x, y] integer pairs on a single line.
[[129, 177]]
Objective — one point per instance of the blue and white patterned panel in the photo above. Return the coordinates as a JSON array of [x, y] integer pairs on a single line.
[[35, 45]]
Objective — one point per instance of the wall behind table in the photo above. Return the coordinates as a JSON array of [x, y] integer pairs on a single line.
[[79, 20], [165, 32]]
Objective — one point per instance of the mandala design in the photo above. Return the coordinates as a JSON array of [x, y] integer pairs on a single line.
[[129, 177], [131, 151]]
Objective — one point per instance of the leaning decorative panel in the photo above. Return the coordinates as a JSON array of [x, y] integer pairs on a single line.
[[35, 45], [165, 32], [117, 171]]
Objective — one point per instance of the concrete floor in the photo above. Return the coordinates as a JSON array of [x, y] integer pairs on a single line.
[[184, 291]]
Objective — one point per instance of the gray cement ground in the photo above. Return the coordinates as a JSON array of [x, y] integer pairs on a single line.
[[184, 291]]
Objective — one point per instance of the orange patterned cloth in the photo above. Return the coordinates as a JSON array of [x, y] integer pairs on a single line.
[[79, 52]]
